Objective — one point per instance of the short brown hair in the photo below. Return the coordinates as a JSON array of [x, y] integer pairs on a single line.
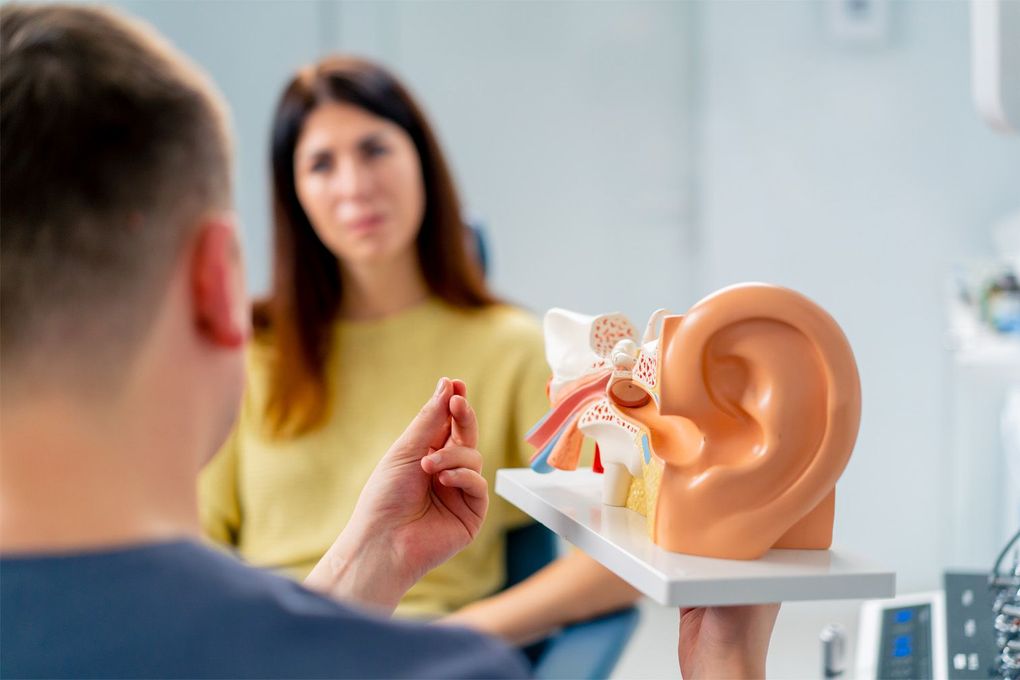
[[111, 145]]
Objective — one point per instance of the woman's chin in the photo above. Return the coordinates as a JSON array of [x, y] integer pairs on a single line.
[[371, 255]]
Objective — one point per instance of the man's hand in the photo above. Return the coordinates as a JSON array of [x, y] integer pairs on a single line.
[[427, 495], [423, 503], [725, 642]]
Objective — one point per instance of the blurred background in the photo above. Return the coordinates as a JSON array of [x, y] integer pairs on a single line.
[[623, 156]]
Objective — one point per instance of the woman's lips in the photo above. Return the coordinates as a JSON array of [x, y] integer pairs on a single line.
[[365, 225]]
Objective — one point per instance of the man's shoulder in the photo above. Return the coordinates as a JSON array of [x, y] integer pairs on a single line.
[[302, 633], [321, 635], [223, 617]]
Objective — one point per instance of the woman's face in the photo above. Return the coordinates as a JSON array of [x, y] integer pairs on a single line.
[[359, 180]]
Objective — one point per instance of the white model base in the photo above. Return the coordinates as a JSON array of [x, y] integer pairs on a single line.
[[570, 504]]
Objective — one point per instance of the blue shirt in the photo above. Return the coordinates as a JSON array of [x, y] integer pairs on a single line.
[[182, 610]]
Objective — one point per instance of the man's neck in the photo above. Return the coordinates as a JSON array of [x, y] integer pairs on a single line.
[[75, 478]]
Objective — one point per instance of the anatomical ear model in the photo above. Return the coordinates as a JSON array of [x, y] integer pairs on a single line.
[[727, 427]]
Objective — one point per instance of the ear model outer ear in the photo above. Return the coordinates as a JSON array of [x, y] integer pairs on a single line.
[[770, 381]]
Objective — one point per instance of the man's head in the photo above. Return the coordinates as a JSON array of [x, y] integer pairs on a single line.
[[118, 250]]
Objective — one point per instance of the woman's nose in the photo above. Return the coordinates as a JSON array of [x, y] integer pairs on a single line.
[[351, 180]]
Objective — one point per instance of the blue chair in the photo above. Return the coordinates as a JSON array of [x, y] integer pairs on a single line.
[[588, 650]]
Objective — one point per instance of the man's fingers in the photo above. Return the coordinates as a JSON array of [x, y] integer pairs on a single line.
[[465, 424], [431, 426], [473, 486], [452, 457]]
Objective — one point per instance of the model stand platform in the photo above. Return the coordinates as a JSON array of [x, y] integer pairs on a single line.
[[570, 504]]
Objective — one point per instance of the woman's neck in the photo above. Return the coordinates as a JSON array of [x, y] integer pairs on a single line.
[[381, 289]]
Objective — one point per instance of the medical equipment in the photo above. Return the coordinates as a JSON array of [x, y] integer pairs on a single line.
[[1004, 585], [903, 638], [941, 635], [968, 630]]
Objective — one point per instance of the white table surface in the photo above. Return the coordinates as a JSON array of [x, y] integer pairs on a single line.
[[570, 504]]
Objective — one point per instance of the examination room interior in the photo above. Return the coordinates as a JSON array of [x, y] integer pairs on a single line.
[[625, 156]]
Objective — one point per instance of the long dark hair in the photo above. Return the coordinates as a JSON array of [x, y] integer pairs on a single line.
[[305, 298]]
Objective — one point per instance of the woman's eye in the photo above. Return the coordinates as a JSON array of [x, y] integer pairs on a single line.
[[375, 150], [321, 165]]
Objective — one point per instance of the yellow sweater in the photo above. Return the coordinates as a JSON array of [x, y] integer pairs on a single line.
[[282, 503]]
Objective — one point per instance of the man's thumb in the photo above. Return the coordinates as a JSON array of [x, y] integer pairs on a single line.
[[431, 427]]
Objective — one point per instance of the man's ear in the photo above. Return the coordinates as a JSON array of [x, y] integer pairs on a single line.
[[219, 299]]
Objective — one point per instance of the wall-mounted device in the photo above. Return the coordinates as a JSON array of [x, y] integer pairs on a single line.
[[995, 61], [858, 22]]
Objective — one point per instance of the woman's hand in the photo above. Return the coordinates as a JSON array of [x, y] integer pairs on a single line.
[[424, 502], [573, 588], [725, 642]]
